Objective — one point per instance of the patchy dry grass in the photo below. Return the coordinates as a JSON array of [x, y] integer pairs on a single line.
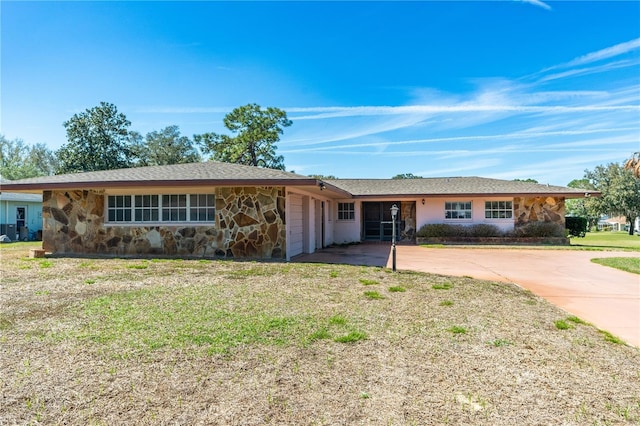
[[114, 341]]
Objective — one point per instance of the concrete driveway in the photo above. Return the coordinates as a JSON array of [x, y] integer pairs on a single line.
[[605, 297]]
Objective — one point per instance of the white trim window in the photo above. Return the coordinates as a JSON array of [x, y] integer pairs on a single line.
[[346, 211], [166, 208], [119, 208], [145, 208], [457, 210], [498, 210]]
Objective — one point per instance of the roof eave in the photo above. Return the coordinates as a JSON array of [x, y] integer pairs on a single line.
[[483, 194], [43, 186]]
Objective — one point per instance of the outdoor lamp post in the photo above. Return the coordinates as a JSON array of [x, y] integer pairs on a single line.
[[394, 213]]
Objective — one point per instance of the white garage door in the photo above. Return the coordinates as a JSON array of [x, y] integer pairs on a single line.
[[295, 224]]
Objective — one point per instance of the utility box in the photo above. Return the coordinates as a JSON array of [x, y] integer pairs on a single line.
[[9, 229]]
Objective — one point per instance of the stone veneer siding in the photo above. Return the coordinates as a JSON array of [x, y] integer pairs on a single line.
[[408, 217], [250, 223], [538, 209]]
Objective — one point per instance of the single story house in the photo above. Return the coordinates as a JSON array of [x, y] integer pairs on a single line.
[[222, 209], [20, 214]]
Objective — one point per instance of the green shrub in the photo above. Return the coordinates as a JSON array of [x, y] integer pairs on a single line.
[[539, 229], [441, 230], [577, 226], [484, 230], [446, 230]]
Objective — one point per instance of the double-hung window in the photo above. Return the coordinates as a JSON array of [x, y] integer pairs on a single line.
[[202, 208], [145, 208], [161, 208], [119, 208], [457, 210], [498, 209], [346, 211], [174, 208]]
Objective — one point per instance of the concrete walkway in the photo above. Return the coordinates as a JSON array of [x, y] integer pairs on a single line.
[[603, 296]]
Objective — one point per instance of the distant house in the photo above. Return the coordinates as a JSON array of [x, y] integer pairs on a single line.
[[618, 223], [222, 209], [20, 214]]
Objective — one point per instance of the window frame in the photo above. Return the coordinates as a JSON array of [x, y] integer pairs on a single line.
[[451, 207], [159, 209], [498, 208], [350, 211]]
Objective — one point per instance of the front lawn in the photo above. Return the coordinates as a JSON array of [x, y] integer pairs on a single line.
[[605, 240], [628, 264], [157, 341]]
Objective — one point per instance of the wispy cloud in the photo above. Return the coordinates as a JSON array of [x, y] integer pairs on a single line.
[[609, 52], [590, 70], [537, 3], [502, 128], [339, 112], [526, 135]]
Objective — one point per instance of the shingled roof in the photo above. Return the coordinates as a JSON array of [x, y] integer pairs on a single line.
[[203, 173], [214, 173], [451, 186]]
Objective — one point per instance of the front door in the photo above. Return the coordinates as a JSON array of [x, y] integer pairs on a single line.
[[377, 223]]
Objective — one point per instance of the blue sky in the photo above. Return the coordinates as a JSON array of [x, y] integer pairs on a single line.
[[503, 89]]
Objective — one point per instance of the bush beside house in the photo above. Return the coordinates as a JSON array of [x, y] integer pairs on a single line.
[[531, 233]]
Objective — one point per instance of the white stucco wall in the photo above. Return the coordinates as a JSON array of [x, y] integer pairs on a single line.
[[433, 212], [347, 231]]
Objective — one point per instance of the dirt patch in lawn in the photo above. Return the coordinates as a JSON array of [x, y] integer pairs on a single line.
[[109, 341]]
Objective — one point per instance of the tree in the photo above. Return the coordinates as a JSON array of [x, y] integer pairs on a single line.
[[407, 176], [620, 191], [163, 147], [323, 177], [257, 130], [633, 164], [99, 139], [19, 160], [586, 207], [526, 180]]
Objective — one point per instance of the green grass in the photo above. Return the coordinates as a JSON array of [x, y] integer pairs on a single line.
[[443, 286], [562, 325], [150, 319], [352, 337], [143, 265], [337, 320], [608, 240], [397, 289], [446, 303], [499, 343], [611, 338], [203, 319], [574, 319], [628, 264], [21, 245], [365, 281], [373, 295], [456, 329]]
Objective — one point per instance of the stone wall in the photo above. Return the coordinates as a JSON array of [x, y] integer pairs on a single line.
[[250, 223], [408, 217], [538, 209]]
